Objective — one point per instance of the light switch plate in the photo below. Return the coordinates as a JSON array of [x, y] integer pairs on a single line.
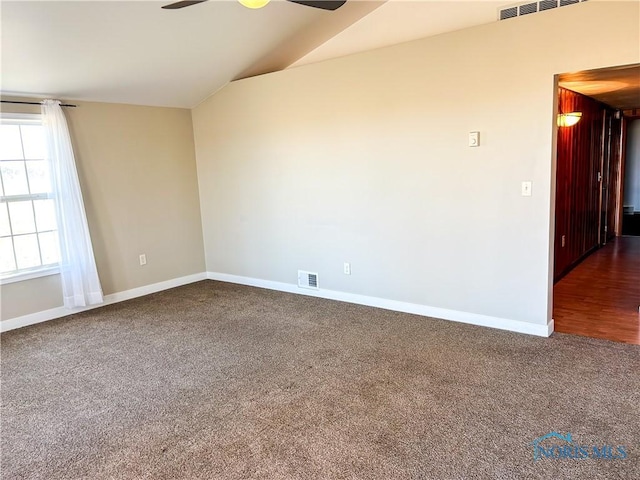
[[526, 189], [474, 139]]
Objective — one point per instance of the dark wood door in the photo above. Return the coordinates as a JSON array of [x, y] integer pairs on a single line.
[[614, 191], [611, 176]]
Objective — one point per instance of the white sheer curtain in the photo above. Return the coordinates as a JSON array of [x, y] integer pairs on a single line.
[[80, 282]]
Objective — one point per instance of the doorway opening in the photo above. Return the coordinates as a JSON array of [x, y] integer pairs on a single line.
[[631, 196], [596, 253]]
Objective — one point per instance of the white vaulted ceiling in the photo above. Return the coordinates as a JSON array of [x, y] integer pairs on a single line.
[[400, 21], [139, 53]]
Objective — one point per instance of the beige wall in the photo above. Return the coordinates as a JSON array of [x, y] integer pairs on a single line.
[[138, 177], [365, 159], [360, 159]]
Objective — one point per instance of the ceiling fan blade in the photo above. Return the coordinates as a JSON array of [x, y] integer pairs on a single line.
[[186, 3], [323, 4]]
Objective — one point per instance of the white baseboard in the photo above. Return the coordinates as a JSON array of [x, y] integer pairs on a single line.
[[424, 310], [46, 315]]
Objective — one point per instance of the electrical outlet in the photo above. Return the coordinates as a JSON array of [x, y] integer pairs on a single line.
[[347, 268], [143, 259]]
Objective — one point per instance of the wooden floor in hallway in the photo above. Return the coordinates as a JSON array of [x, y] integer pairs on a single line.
[[600, 297]]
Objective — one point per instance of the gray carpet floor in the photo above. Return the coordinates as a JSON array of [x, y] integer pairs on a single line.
[[219, 381]]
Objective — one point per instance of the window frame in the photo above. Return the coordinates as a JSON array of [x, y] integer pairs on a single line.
[[41, 270]]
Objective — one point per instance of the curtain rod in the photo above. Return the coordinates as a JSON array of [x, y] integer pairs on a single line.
[[35, 103]]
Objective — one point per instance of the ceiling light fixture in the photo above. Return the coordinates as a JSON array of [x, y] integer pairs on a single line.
[[253, 3], [569, 119]]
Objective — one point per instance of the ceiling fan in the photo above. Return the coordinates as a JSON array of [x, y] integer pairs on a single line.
[[322, 4]]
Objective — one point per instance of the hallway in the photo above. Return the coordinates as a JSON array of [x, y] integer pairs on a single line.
[[600, 297]]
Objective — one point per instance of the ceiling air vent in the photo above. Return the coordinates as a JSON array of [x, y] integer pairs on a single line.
[[307, 280], [533, 7]]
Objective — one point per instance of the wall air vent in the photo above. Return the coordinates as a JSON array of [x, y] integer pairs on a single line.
[[528, 8], [508, 13], [548, 4], [533, 7], [307, 280]]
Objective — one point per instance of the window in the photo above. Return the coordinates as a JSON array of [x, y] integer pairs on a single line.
[[28, 229]]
